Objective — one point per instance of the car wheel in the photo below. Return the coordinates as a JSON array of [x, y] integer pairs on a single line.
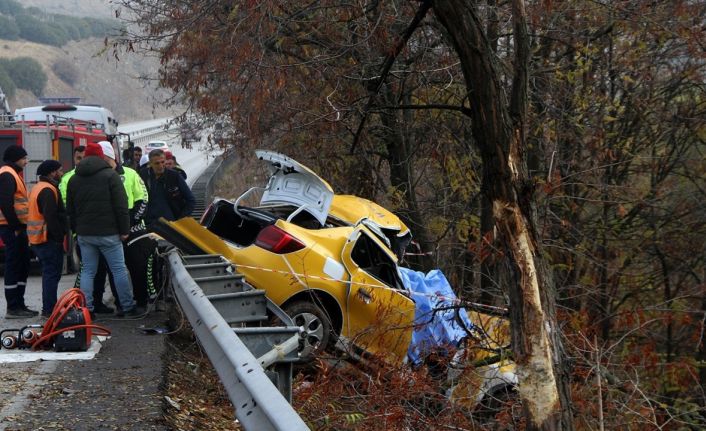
[[317, 327]]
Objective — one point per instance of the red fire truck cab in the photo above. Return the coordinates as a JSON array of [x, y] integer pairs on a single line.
[[52, 131]]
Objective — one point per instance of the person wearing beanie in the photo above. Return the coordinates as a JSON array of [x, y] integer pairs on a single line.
[[171, 163], [137, 266], [46, 228], [93, 149], [108, 150], [14, 210], [97, 206]]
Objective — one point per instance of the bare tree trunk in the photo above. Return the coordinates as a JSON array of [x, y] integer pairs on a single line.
[[494, 273], [498, 130], [701, 353]]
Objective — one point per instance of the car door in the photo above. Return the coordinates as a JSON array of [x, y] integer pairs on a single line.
[[379, 313]]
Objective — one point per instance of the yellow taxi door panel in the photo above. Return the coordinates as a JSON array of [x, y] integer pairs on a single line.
[[379, 318]]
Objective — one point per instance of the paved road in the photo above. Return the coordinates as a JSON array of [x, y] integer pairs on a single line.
[[117, 390], [120, 389]]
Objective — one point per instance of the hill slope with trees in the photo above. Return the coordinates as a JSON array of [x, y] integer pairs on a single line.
[[72, 59]]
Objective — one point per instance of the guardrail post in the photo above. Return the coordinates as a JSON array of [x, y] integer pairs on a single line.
[[258, 404]]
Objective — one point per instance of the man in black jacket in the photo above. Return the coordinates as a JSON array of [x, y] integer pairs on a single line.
[[14, 209], [46, 228], [169, 195], [97, 206]]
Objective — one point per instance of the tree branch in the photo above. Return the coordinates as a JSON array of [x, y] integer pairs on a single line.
[[387, 65], [461, 109]]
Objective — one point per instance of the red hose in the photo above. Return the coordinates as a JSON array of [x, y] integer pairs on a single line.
[[69, 300]]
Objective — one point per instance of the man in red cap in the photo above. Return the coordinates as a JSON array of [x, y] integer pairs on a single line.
[[98, 210], [14, 209]]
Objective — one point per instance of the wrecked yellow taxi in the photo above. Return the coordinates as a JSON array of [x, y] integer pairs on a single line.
[[326, 260], [330, 262]]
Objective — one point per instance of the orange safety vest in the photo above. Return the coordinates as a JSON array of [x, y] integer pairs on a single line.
[[36, 225], [21, 201]]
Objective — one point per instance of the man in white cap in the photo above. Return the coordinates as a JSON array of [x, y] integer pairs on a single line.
[[137, 205]]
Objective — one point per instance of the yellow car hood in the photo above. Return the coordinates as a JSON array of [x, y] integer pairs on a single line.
[[354, 209]]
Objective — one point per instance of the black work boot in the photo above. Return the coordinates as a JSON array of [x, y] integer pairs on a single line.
[[19, 313]]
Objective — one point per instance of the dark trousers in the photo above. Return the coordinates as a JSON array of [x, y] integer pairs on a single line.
[[51, 256], [99, 283], [16, 266], [139, 257]]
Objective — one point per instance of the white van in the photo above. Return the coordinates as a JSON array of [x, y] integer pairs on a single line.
[[96, 115]]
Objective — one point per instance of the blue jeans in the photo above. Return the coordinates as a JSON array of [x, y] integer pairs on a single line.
[[51, 256], [16, 266], [112, 249]]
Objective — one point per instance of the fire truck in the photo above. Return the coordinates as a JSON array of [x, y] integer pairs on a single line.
[[52, 131]]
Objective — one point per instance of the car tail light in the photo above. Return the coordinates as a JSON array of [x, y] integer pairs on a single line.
[[277, 241]]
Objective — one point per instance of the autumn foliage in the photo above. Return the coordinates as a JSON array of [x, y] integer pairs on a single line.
[[614, 130]]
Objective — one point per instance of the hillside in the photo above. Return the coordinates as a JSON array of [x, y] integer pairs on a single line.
[[97, 77], [94, 8], [100, 79]]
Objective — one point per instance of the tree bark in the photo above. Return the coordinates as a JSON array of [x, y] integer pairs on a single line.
[[498, 130]]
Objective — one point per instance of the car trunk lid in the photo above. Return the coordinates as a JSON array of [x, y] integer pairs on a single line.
[[292, 183]]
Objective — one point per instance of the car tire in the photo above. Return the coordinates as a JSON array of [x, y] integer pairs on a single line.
[[318, 330]]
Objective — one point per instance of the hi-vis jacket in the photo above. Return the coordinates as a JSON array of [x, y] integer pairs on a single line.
[[20, 199], [47, 217]]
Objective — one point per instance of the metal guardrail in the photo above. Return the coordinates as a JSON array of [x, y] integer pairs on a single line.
[[213, 299], [144, 131], [202, 188]]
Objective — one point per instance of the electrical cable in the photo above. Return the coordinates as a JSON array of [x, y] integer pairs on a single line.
[[72, 299]]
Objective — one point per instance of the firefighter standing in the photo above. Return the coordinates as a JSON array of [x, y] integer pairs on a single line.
[[14, 210], [46, 227]]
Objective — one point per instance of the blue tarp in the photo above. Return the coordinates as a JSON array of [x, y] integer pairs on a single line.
[[433, 330]]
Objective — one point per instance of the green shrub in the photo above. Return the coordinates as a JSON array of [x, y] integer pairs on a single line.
[[66, 71], [69, 25], [26, 73], [8, 28], [10, 7], [84, 29], [34, 30], [6, 83], [35, 25]]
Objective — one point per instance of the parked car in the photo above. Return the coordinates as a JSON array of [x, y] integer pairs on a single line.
[[156, 145], [331, 262]]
